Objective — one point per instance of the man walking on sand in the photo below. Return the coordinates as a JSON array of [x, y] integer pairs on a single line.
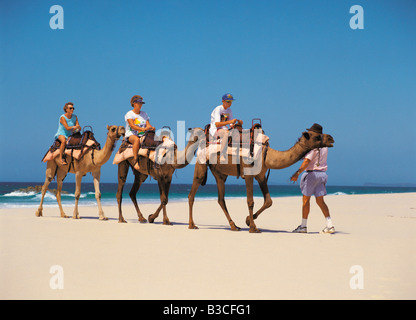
[[313, 182]]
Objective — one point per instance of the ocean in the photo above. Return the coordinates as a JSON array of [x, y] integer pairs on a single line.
[[16, 194]]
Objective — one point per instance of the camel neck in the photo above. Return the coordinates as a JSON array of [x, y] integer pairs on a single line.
[[282, 159], [104, 154]]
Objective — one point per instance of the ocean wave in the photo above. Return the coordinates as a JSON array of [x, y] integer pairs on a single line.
[[19, 194], [339, 193]]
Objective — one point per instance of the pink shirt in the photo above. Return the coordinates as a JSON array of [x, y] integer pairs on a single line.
[[318, 159]]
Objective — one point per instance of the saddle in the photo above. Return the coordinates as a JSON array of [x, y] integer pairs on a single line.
[[77, 145], [255, 124], [149, 142]]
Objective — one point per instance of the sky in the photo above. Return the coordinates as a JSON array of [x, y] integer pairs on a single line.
[[290, 63]]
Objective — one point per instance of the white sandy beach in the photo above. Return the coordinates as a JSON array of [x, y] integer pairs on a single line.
[[108, 260]]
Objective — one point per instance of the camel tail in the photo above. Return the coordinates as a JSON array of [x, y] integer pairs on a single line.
[[204, 181]]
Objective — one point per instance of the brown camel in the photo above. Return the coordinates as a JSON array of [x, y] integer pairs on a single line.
[[273, 159], [90, 162], [162, 173]]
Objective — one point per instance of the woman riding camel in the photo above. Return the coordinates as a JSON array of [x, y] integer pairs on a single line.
[[68, 123], [137, 122]]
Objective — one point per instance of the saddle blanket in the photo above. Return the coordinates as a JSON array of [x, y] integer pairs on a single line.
[[76, 154], [204, 154], [167, 144]]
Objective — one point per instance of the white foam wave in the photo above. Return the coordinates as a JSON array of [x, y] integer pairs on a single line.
[[19, 194], [339, 193]]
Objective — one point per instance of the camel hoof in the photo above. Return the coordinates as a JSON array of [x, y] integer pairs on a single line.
[[235, 228], [248, 221], [64, 216], [38, 213], [254, 230], [103, 218], [167, 223], [150, 219], [122, 221], [142, 220], [193, 227]]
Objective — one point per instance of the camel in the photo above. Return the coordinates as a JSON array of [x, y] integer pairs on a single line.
[[162, 173], [273, 159], [90, 162]]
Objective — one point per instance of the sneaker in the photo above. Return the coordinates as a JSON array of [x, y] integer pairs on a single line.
[[300, 229], [328, 230]]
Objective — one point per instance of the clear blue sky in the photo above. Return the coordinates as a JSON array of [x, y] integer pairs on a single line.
[[290, 63]]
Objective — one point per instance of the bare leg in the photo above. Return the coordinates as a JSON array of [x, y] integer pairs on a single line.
[[223, 134], [96, 175], [62, 140], [306, 204], [321, 203]]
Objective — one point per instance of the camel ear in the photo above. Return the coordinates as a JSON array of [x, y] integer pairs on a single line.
[[306, 135], [108, 127]]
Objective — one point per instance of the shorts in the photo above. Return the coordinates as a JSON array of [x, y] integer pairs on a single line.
[[314, 183]]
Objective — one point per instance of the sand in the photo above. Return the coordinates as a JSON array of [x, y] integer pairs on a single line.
[[371, 256]]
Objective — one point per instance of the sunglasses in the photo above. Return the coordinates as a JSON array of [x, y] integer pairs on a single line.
[[71, 108], [138, 101], [228, 101]]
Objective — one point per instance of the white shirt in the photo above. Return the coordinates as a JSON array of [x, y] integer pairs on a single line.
[[216, 117], [138, 120]]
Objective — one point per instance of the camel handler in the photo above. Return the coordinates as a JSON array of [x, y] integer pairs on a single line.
[[68, 123], [137, 122], [222, 116], [313, 182]]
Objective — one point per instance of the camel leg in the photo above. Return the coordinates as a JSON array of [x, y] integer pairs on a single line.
[[139, 178], [60, 176], [199, 175], [220, 179], [78, 178], [49, 175], [96, 175], [250, 203], [123, 170], [153, 216], [267, 199], [165, 199]]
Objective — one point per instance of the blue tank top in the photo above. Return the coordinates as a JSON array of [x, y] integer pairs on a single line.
[[61, 129]]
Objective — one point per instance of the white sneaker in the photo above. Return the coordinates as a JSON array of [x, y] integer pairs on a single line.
[[300, 229], [328, 230]]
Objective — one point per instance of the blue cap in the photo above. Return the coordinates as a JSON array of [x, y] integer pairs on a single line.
[[228, 96]]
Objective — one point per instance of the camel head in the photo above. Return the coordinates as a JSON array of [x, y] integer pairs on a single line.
[[116, 131], [313, 140]]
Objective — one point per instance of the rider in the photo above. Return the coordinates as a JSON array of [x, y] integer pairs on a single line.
[[68, 122], [222, 116], [137, 122]]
